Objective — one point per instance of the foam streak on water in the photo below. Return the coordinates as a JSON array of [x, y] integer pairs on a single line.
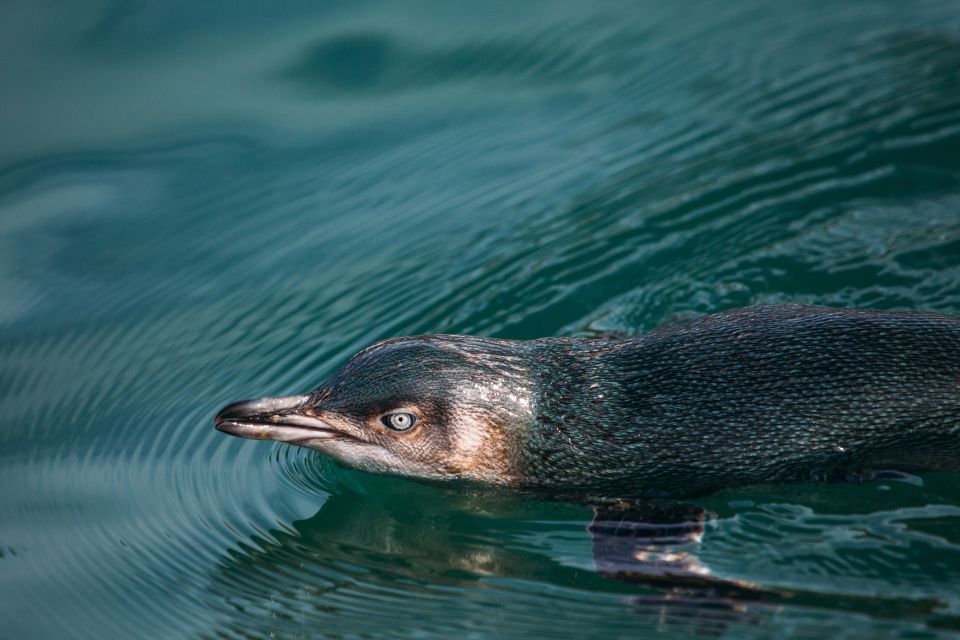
[[201, 202]]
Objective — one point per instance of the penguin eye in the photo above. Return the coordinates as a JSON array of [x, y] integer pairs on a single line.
[[399, 420]]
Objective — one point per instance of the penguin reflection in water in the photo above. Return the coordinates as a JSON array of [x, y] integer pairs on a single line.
[[780, 393]]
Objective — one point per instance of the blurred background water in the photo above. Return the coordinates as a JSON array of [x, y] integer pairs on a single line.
[[201, 202]]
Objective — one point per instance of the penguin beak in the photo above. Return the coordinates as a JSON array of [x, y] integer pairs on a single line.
[[278, 419]]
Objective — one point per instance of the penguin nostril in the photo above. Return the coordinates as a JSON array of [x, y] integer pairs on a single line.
[[258, 407]]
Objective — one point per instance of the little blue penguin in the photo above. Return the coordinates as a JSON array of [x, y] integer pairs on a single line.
[[755, 395]]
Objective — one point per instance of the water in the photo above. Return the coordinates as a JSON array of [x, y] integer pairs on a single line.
[[200, 202]]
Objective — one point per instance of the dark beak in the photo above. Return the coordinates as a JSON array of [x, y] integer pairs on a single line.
[[279, 419]]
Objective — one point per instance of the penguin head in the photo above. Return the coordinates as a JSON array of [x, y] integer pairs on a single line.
[[428, 407]]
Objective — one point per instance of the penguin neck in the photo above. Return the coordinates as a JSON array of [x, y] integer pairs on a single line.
[[580, 420]]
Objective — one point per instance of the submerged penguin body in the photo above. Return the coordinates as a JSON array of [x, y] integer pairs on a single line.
[[761, 394], [754, 395]]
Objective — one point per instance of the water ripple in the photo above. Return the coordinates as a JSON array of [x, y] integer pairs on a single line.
[[195, 214]]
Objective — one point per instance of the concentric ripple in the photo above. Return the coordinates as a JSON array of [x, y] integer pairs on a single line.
[[200, 204]]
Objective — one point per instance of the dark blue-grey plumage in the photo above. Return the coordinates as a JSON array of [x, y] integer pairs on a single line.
[[753, 395]]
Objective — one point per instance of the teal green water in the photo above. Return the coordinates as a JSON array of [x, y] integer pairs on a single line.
[[201, 202]]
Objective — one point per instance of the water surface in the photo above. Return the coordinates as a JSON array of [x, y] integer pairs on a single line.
[[201, 202]]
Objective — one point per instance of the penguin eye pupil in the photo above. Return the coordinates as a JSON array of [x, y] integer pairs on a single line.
[[399, 421]]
